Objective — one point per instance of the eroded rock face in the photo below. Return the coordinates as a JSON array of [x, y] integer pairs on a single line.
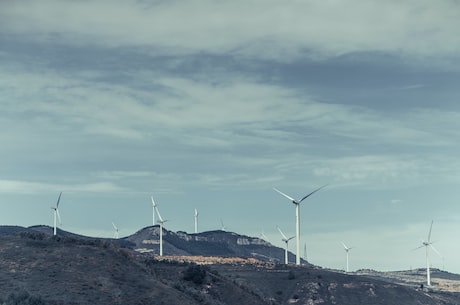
[[210, 243]]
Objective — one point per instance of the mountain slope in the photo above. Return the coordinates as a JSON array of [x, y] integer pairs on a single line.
[[210, 243], [71, 270]]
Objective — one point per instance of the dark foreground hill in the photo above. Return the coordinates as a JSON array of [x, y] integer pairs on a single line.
[[36, 268]]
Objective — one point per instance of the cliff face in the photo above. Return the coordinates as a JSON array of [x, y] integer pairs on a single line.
[[211, 243]]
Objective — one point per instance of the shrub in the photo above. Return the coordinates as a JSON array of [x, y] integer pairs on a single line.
[[195, 274], [33, 235], [22, 297]]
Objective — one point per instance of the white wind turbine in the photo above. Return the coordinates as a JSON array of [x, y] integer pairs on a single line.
[[153, 210], [161, 221], [115, 234], [286, 241], [297, 218], [223, 227], [263, 236], [56, 214], [347, 249], [428, 244], [196, 221]]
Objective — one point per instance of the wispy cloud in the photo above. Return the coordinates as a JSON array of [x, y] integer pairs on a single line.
[[27, 187], [270, 29]]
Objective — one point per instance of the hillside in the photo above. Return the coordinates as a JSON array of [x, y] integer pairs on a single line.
[[210, 243], [72, 270]]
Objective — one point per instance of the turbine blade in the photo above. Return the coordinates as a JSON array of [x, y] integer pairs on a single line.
[[346, 248], [282, 234], [59, 199], [223, 228], [288, 197], [290, 238], [196, 212], [418, 247], [158, 213], [114, 226], [429, 233], [153, 202], [59, 216], [437, 252], [312, 193]]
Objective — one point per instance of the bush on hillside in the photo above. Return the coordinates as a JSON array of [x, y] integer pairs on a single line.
[[22, 297], [195, 274]]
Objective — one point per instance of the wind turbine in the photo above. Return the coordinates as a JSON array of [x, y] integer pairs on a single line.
[[297, 218], [223, 227], [115, 235], [161, 221], [286, 241], [347, 249], [263, 236], [153, 210], [428, 244], [56, 214], [196, 221]]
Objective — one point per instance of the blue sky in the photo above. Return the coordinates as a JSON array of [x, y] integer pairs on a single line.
[[211, 105]]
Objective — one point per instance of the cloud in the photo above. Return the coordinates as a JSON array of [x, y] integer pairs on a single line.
[[16, 186], [255, 29], [387, 171]]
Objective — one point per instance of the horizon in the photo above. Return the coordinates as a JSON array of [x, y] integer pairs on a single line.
[[212, 105], [281, 245]]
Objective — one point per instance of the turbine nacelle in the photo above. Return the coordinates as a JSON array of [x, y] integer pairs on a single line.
[[295, 201], [346, 248]]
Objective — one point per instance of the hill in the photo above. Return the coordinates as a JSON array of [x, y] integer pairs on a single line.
[[67, 269], [210, 243]]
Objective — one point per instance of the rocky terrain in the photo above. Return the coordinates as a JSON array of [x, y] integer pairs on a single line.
[[37, 268]]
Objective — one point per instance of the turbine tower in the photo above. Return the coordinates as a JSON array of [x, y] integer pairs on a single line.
[[286, 241], [428, 244], [196, 221], [347, 249], [297, 218], [153, 210], [161, 221], [56, 214], [305, 256], [115, 235]]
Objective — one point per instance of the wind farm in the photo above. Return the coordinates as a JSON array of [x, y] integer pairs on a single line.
[[238, 114], [233, 255], [159, 222]]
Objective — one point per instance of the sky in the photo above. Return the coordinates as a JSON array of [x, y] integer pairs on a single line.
[[212, 104]]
